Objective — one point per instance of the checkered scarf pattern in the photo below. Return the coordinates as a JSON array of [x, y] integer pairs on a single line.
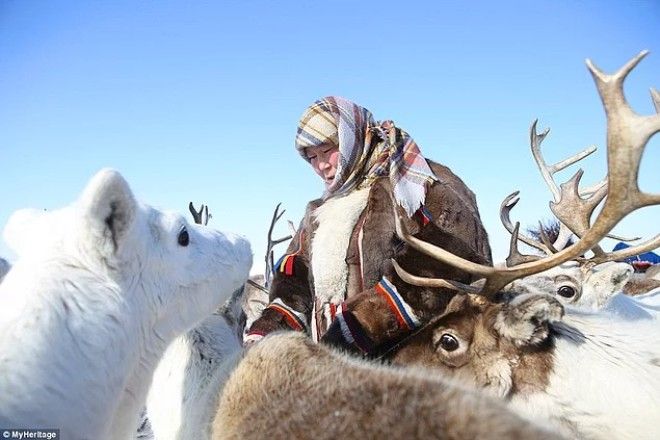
[[367, 150]]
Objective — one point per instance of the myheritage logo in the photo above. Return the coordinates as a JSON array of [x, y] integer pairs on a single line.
[[24, 434]]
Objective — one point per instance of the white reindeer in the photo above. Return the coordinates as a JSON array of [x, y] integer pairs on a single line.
[[590, 283], [189, 379], [590, 287], [190, 376], [595, 288], [90, 306]]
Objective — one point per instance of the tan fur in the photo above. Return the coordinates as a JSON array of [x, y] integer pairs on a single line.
[[487, 359], [289, 388], [641, 283]]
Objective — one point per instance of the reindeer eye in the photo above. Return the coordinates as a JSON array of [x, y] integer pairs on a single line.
[[448, 342], [566, 291], [183, 237]]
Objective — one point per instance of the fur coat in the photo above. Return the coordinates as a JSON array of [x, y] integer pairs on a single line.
[[336, 280]]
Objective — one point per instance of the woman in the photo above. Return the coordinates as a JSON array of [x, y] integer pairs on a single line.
[[336, 280]]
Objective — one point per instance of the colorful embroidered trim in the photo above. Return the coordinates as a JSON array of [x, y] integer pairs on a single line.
[[286, 263], [294, 319], [352, 331], [424, 215], [402, 311]]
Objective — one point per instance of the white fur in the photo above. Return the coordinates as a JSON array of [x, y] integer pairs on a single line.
[[90, 306], [645, 306], [189, 378], [336, 219], [605, 379], [29, 228]]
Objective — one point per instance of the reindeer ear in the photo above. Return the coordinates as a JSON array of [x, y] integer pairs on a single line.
[[109, 210], [606, 279], [526, 318]]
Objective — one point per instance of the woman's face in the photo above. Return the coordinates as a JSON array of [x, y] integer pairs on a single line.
[[323, 159]]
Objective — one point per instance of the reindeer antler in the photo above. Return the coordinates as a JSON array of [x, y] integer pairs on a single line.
[[548, 172], [627, 135], [505, 209], [197, 215], [272, 243], [572, 206]]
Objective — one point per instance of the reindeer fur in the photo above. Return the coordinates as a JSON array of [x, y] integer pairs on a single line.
[[89, 308], [288, 387], [593, 375]]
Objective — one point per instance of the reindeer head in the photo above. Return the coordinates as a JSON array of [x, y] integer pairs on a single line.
[[500, 346], [577, 283]]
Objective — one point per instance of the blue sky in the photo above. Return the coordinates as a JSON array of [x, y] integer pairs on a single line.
[[198, 101]]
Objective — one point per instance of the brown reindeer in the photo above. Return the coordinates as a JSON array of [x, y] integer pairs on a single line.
[[288, 387], [593, 375]]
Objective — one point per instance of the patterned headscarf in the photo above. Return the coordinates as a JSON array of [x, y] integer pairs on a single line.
[[352, 128]]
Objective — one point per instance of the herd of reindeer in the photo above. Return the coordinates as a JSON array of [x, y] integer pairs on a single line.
[[105, 330]]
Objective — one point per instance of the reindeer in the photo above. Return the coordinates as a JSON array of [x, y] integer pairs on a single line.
[[592, 375], [88, 309], [191, 373], [286, 386], [578, 282], [589, 376]]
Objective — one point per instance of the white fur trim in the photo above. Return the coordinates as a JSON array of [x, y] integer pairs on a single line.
[[336, 219]]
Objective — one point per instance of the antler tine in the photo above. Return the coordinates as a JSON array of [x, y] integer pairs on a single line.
[[197, 215], [655, 96], [439, 253], [631, 251], [433, 282], [207, 216], [574, 211], [272, 243], [627, 136], [515, 257], [505, 209], [563, 237], [573, 159], [547, 172], [565, 234], [292, 228], [275, 219], [594, 188], [535, 141]]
